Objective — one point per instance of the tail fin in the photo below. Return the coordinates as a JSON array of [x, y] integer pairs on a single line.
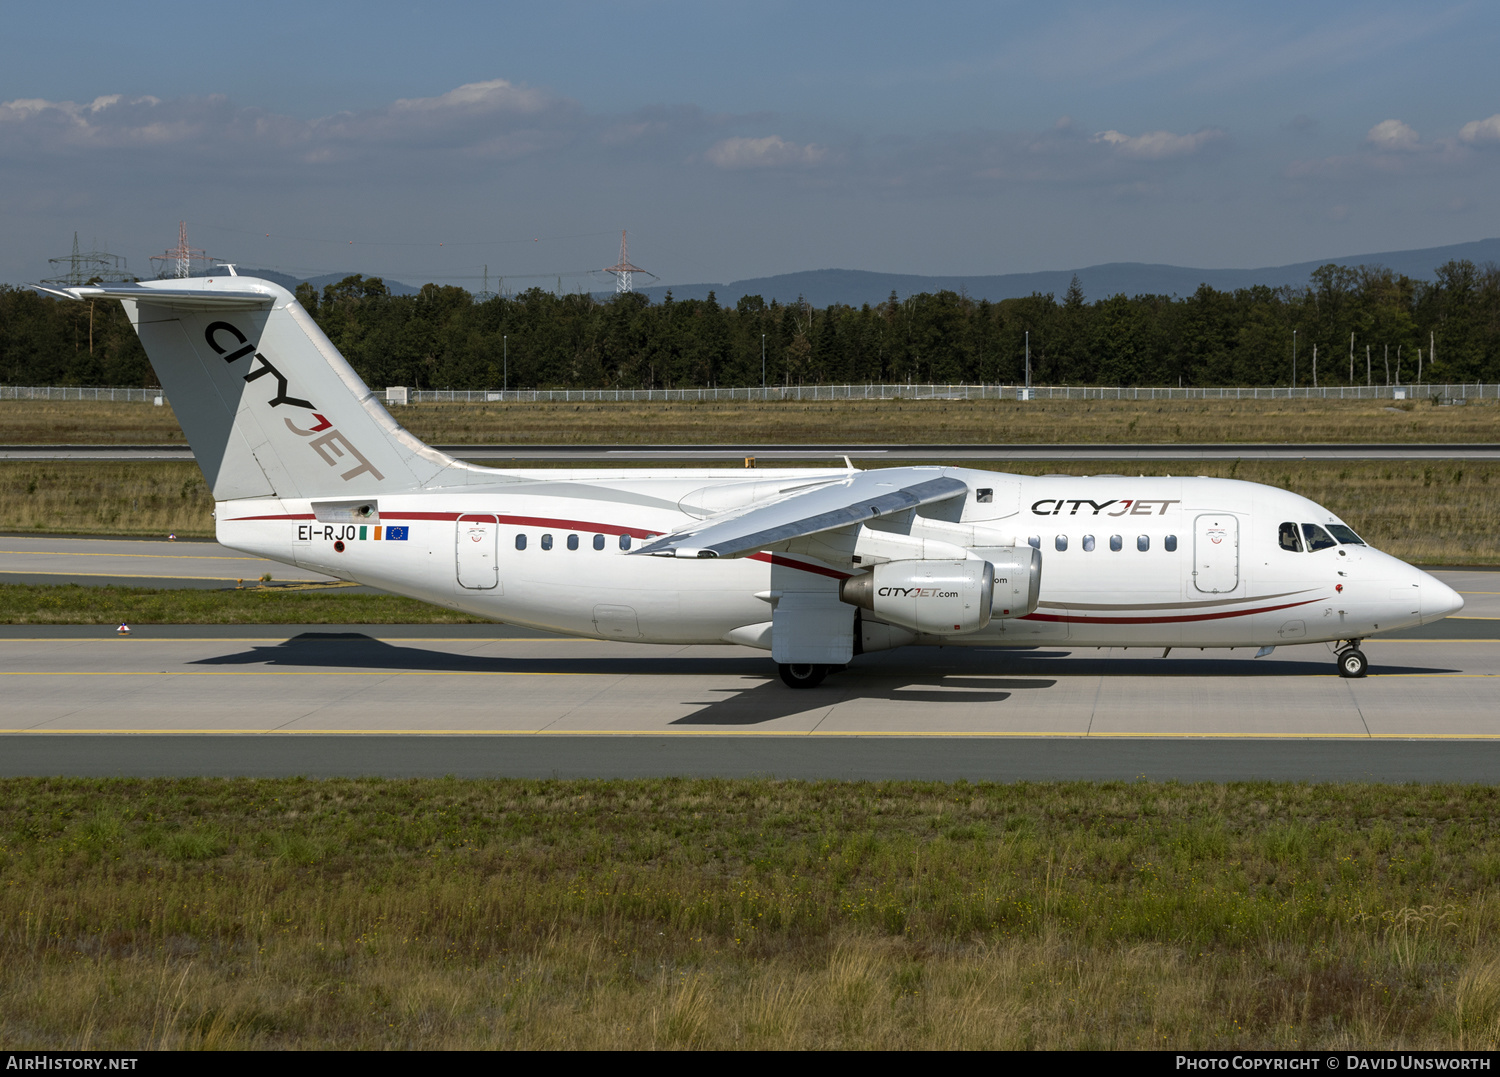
[[268, 404]]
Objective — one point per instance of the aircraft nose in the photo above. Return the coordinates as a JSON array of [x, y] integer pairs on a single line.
[[1438, 599]]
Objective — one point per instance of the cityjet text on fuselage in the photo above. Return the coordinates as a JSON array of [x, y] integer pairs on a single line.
[[1082, 506]]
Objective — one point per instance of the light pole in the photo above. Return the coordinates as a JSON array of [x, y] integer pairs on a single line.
[[505, 344], [1028, 358], [763, 364], [1294, 358]]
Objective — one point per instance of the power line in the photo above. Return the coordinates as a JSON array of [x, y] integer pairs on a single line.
[[401, 243]]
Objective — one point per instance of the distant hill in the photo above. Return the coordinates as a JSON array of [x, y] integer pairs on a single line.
[[855, 287], [821, 287], [290, 282]]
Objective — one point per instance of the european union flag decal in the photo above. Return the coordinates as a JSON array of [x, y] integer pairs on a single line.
[[396, 534]]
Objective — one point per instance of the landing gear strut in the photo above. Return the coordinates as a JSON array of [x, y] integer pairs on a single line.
[[1352, 661], [802, 675]]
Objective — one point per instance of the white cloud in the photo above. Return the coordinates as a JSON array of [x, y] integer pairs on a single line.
[[496, 95], [1393, 136], [773, 151], [1481, 130], [111, 120], [493, 119], [1156, 145]]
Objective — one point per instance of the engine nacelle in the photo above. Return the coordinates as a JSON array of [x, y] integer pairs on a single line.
[[941, 598], [1018, 578]]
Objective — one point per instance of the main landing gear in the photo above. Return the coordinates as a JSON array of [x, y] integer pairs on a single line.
[[1352, 661], [803, 675]]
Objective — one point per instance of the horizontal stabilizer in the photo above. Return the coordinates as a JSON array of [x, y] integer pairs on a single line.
[[184, 296], [864, 495]]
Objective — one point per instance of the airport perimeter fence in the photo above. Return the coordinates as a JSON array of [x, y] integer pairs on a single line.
[[80, 392], [1449, 393], [1456, 392]]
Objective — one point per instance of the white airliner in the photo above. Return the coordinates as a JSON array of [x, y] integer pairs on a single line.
[[813, 565]]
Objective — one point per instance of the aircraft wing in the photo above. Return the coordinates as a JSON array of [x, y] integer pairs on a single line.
[[186, 294], [864, 495]]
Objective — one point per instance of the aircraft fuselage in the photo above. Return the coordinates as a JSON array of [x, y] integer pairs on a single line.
[[1149, 561]]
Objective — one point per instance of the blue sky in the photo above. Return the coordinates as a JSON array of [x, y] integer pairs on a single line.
[[423, 142]]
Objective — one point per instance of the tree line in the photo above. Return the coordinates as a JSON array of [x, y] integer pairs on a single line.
[[1348, 325]]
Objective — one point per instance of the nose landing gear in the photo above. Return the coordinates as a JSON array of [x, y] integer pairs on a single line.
[[1352, 661]]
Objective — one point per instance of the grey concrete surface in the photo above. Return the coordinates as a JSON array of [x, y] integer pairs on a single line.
[[733, 756], [137, 562], [493, 699], [351, 680]]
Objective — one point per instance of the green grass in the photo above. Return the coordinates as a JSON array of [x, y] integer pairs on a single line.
[[74, 604], [704, 913]]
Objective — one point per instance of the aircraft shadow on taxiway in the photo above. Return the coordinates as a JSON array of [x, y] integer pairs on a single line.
[[956, 676]]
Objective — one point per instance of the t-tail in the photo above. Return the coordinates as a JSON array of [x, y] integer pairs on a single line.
[[269, 406]]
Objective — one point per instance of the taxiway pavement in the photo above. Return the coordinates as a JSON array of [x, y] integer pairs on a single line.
[[494, 699], [49, 559]]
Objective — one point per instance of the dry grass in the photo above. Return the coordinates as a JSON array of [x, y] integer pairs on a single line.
[[711, 914], [851, 422], [129, 497], [1442, 513]]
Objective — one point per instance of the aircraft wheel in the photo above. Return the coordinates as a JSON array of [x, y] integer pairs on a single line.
[[1352, 663], [801, 675]]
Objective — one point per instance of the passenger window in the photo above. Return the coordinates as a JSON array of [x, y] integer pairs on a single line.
[[624, 542], [546, 542], [1088, 543], [1035, 542], [1171, 544], [1344, 535], [1116, 543], [520, 542], [1317, 538], [572, 542], [1061, 542], [984, 497], [1289, 539], [1143, 543], [598, 542]]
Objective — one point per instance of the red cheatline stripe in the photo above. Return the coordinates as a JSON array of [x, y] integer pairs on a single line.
[[517, 521], [1161, 620], [787, 562]]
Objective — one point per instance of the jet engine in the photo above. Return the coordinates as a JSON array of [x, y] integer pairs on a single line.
[[942, 598], [949, 598], [1018, 579]]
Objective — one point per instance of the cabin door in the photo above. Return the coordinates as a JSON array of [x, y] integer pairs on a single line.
[[1216, 553], [477, 544]]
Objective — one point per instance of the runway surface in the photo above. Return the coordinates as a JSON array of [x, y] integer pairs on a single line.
[[493, 699], [49, 559], [687, 454]]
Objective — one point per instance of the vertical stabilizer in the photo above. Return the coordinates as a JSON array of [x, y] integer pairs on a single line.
[[268, 404]]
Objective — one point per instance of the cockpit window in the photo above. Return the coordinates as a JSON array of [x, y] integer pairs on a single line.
[[1289, 539], [1317, 538], [1345, 535]]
